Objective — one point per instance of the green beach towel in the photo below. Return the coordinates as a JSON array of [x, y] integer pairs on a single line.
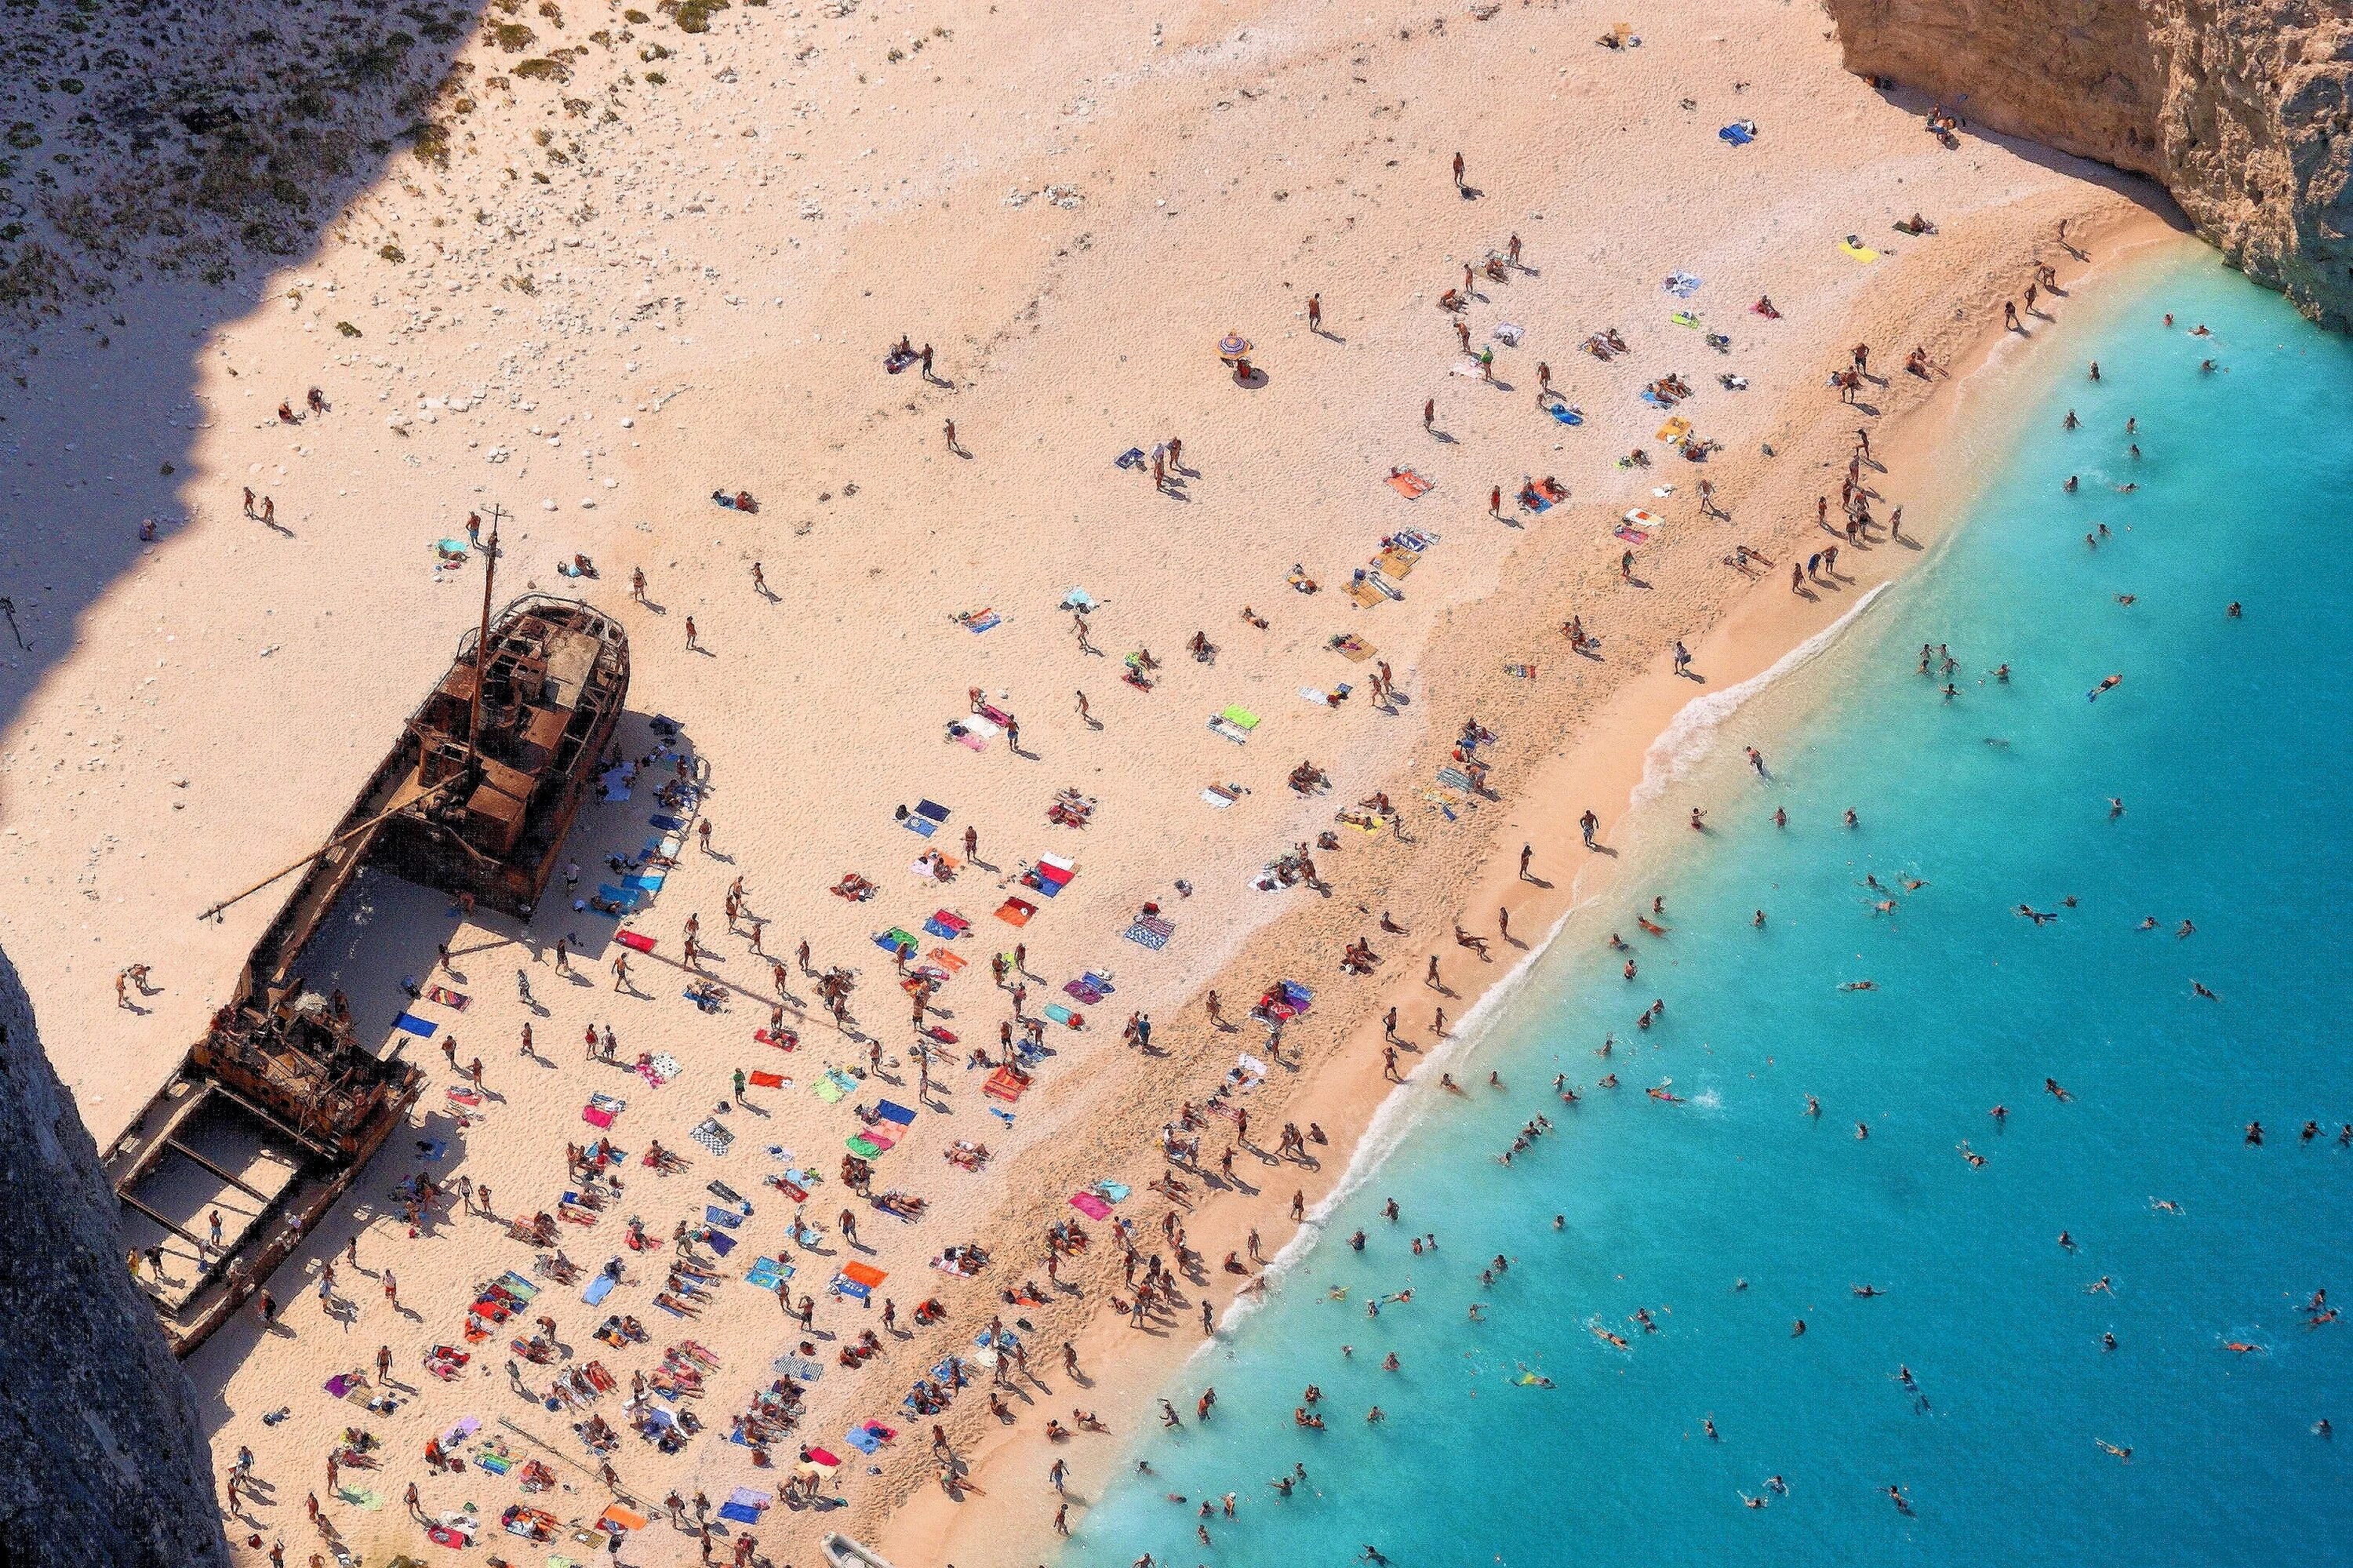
[[1240, 718]]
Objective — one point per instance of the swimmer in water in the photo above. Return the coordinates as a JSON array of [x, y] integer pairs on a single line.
[[2108, 684], [1860, 985], [2200, 990], [2123, 1454]]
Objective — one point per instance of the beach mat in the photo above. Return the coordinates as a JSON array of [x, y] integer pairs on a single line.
[[409, 1023]]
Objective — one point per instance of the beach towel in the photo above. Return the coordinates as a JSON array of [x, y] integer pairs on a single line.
[[1508, 333], [766, 1080], [1674, 432], [1455, 778], [598, 1288], [896, 940], [1682, 285], [1115, 1192], [864, 1441], [1016, 911], [1090, 1205], [922, 827], [767, 1272], [409, 1023], [636, 941], [941, 928], [866, 1148], [595, 1117], [974, 731], [645, 881], [622, 1518], [1079, 598], [1132, 458], [1240, 718], [1365, 594], [1566, 415], [1410, 484], [1150, 931], [1056, 1012], [725, 1219], [710, 1135], [829, 1091], [1352, 648], [1740, 133], [719, 1242], [448, 997], [342, 1384], [1859, 251], [893, 1111]]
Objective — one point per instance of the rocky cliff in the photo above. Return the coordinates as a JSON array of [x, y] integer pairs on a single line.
[[2242, 109], [101, 1456]]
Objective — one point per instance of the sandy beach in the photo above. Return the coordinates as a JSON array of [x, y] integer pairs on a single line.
[[598, 318]]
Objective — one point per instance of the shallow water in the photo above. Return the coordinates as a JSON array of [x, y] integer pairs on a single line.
[[2225, 743]]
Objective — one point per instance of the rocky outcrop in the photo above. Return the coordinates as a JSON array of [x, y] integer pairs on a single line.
[[101, 1457], [2242, 109]]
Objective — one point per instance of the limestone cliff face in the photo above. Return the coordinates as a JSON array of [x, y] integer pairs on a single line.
[[101, 1456], [2242, 109]]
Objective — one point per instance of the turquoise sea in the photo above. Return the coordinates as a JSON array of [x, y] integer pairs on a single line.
[[1733, 1214]]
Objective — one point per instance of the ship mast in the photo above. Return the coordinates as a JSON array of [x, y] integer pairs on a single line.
[[482, 640]]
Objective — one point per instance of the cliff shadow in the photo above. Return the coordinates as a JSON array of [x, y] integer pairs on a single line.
[[163, 160]]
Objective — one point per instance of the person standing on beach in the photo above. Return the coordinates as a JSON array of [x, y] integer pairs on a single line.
[[1430, 414], [1588, 823], [1458, 171], [949, 426], [1315, 312], [1528, 853]]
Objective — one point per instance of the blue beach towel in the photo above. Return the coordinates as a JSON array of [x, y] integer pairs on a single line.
[[891, 1110], [666, 824], [1739, 135], [598, 1288], [409, 1023], [1566, 415], [922, 826]]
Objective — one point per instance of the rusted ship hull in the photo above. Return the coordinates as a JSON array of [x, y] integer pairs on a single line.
[[275, 1111]]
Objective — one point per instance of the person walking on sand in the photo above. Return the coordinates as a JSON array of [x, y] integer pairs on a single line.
[[248, 500], [1496, 501], [620, 972], [638, 584], [759, 580], [949, 427], [1430, 414], [269, 510], [1315, 312], [1527, 854], [690, 645], [1458, 171], [1588, 823]]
